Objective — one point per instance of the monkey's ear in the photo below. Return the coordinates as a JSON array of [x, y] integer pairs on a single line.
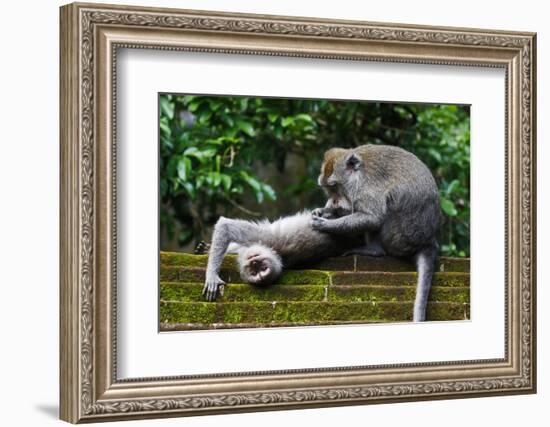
[[353, 162]]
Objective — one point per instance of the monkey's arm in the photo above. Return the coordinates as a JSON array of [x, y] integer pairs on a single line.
[[357, 222], [226, 231]]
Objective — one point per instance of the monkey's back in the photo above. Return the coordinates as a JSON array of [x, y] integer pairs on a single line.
[[410, 194]]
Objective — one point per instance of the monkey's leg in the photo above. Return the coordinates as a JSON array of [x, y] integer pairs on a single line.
[[367, 250], [425, 264], [226, 231]]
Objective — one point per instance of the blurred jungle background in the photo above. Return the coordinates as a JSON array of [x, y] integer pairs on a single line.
[[251, 157]]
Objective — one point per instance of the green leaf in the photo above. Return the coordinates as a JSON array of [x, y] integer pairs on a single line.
[[191, 151], [254, 183], [165, 127], [448, 207], [200, 155], [166, 107], [304, 118], [182, 169], [246, 127], [455, 183], [287, 121], [226, 181], [269, 192], [259, 196], [194, 105], [216, 178], [190, 189], [435, 154]]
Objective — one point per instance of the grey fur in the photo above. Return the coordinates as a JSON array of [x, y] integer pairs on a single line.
[[291, 238], [394, 202]]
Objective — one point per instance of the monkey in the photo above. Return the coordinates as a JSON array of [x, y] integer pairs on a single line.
[[394, 204], [264, 248], [338, 205]]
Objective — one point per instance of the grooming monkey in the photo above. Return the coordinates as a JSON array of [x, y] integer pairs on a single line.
[[264, 248], [393, 201]]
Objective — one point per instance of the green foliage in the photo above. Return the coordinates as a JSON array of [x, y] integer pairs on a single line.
[[214, 148]]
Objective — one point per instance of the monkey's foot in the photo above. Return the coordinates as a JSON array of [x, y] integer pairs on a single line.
[[202, 248]]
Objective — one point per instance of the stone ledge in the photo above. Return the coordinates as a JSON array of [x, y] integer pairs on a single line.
[[337, 291]]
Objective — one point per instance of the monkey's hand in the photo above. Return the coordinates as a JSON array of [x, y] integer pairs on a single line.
[[211, 287], [319, 223], [317, 212], [323, 213]]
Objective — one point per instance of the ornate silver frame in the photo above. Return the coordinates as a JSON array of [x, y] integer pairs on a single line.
[[90, 35]]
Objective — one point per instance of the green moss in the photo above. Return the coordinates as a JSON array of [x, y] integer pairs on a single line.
[[444, 264], [304, 277], [358, 293], [459, 265], [198, 312], [169, 274], [182, 259], [304, 312], [451, 279], [343, 263], [397, 279], [189, 292], [308, 297], [348, 263], [193, 274]]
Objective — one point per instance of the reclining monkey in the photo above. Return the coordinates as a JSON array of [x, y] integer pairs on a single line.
[[265, 247]]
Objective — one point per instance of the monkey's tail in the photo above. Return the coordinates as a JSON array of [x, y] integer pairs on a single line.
[[425, 265]]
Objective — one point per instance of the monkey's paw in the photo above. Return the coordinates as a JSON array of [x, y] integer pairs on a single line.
[[319, 223], [211, 288], [318, 212], [323, 213]]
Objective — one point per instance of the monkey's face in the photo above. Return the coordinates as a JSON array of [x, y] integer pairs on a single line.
[[339, 165], [259, 265], [339, 168]]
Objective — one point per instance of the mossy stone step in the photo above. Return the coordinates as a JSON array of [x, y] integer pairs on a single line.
[[316, 277], [197, 274], [342, 290], [347, 263], [397, 279], [173, 312], [172, 327], [192, 292]]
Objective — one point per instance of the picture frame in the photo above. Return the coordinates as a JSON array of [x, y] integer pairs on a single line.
[[90, 388]]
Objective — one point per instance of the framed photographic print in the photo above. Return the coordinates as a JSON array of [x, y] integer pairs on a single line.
[[265, 212]]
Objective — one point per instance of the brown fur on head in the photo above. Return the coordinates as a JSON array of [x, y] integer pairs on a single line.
[[340, 166], [327, 168]]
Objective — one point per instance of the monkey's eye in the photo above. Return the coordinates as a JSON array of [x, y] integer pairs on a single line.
[[264, 268]]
